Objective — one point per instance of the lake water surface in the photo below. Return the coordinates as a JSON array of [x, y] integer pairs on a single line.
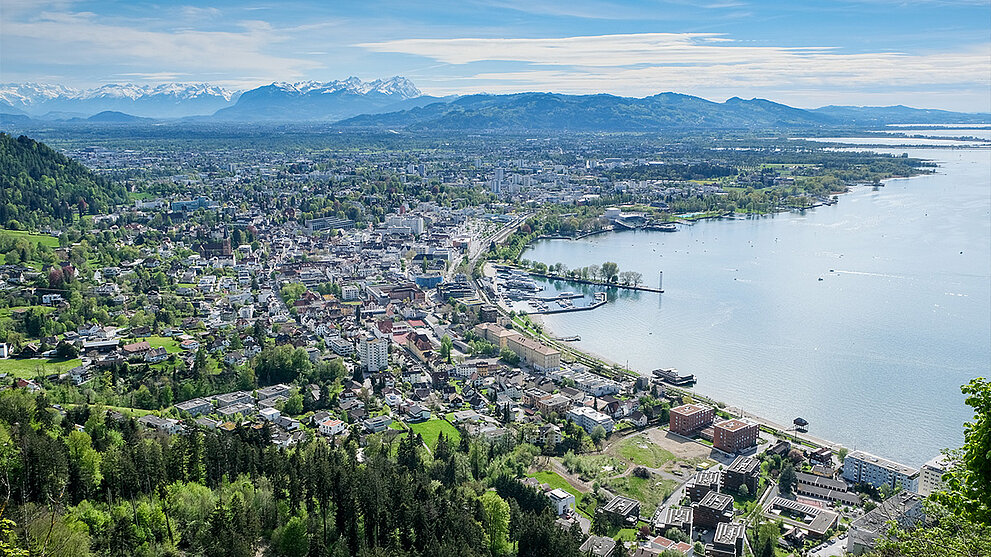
[[864, 317]]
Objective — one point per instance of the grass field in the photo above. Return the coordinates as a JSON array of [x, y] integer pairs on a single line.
[[171, 345], [30, 368], [640, 450], [650, 492], [555, 480], [45, 239], [8, 312], [591, 467], [430, 430]]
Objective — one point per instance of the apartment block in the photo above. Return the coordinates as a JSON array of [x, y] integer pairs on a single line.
[[734, 436], [861, 467], [689, 419]]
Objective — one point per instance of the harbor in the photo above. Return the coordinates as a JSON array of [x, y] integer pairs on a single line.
[[517, 290]]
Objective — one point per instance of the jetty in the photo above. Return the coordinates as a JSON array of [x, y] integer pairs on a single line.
[[597, 282], [561, 296], [589, 307]]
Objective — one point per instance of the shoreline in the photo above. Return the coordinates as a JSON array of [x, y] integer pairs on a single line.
[[731, 408]]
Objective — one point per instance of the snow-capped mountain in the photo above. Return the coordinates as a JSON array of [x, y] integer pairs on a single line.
[[330, 101], [168, 100], [397, 86], [304, 100]]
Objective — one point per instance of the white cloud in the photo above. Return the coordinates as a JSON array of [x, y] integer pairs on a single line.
[[80, 38], [644, 64]]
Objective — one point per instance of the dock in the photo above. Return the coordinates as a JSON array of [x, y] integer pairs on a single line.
[[597, 304], [596, 282], [564, 296]]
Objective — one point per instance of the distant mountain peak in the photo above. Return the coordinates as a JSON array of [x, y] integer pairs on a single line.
[[397, 86]]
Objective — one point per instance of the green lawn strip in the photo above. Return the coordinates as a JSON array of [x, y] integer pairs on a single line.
[[625, 535], [9, 312], [556, 481], [430, 431], [45, 239], [32, 367], [643, 452], [171, 345], [650, 493]]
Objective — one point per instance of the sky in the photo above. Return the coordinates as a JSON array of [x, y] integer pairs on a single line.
[[805, 53]]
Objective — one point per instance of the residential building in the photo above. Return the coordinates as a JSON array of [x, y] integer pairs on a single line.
[[904, 509], [861, 467], [561, 500], [673, 517], [622, 510], [377, 424], [712, 509], [689, 419], [701, 484], [237, 397], [659, 544], [824, 488], [744, 471], [587, 418], [728, 541], [816, 521], [166, 425], [734, 436], [273, 391], [374, 354], [331, 427], [195, 407], [598, 546], [931, 475]]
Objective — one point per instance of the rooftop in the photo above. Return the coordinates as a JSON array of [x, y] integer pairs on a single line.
[[744, 465], [728, 532], [622, 505], [733, 425], [882, 462]]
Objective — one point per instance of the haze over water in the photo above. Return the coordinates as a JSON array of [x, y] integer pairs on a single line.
[[873, 355]]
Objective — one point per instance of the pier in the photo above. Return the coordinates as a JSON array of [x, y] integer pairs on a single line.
[[563, 296], [592, 306], [596, 282]]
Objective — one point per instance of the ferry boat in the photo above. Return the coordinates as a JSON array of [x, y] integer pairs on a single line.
[[673, 377]]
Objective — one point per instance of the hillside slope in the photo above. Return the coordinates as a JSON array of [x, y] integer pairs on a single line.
[[39, 185]]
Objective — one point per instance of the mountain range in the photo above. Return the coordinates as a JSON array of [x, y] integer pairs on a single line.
[[396, 103]]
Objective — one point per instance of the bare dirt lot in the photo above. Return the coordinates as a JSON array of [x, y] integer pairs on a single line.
[[682, 448]]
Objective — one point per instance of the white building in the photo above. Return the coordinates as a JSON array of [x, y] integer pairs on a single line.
[[561, 500], [861, 467], [331, 427], [374, 353], [269, 414], [350, 292], [931, 475], [588, 418], [415, 224]]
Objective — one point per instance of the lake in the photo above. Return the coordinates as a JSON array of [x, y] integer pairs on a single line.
[[865, 317]]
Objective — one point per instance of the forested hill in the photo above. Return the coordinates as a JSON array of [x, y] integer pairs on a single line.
[[112, 490], [39, 185]]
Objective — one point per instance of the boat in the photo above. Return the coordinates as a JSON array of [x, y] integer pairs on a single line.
[[673, 377]]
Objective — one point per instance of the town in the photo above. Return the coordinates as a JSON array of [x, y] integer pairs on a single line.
[[368, 301]]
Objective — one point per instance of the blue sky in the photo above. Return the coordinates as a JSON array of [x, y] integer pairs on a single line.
[[926, 53]]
